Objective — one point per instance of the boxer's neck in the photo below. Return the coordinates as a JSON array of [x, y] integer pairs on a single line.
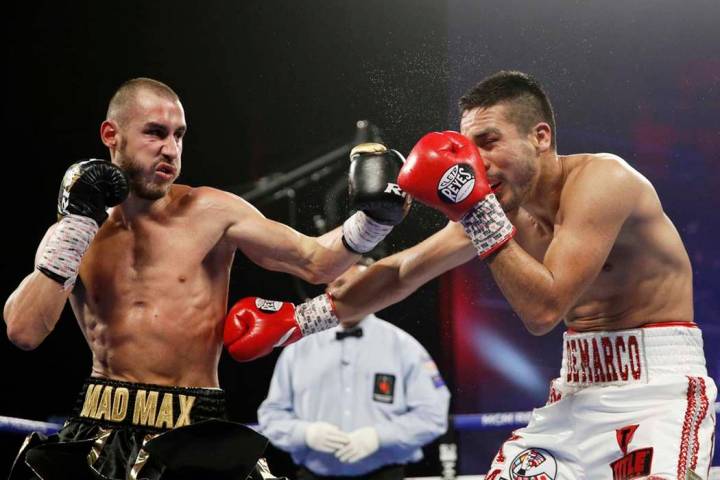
[[543, 200], [135, 208]]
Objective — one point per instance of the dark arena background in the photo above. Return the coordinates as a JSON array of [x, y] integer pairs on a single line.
[[269, 87]]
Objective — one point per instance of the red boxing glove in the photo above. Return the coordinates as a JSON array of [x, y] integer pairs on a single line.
[[445, 170], [254, 326]]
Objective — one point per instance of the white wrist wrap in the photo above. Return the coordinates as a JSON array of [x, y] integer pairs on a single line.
[[65, 247], [487, 226], [361, 233], [316, 315]]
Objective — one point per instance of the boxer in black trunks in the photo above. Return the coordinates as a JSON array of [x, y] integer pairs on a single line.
[[148, 283]]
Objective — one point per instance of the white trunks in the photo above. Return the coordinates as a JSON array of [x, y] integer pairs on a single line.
[[629, 404]]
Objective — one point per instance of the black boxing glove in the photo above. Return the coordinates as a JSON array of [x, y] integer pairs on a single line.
[[372, 183], [87, 189], [374, 192], [90, 187]]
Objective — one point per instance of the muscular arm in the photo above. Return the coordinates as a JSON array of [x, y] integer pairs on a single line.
[[593, 208], [277, 247], [397, 276], [34, 308]]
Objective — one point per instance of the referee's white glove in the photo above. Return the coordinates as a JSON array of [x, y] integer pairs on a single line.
[[325, 437], [363, 442]]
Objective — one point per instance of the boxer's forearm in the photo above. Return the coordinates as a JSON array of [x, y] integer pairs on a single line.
[[33, 309], [529, 287], [279, 248], [330, 256], [396, 277], [380, 285]]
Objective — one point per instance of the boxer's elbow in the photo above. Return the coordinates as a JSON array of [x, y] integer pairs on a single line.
[[541, 324], [23, 337], [543, 313], [537, 328], [23, 342], [20, 333]]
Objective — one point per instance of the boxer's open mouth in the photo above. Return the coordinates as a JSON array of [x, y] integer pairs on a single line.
[[165, 170]]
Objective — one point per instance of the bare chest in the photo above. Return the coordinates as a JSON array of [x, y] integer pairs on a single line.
[[149, 255]]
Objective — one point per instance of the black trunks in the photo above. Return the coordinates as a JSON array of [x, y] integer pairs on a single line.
[[123, 430]]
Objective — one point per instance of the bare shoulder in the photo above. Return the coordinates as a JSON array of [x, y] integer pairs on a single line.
[[602, 175], [206, 195], [600, 167], [206, 199], [606, 185]]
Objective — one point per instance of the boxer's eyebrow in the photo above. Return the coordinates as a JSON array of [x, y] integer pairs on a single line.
[[484, 133], [156, 127]]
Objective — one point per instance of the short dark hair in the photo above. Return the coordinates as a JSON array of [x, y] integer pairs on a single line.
[[129, 89], [529, 102]]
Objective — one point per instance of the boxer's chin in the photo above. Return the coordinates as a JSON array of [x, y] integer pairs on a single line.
[[511, 197], [504, 198], [149, 190]]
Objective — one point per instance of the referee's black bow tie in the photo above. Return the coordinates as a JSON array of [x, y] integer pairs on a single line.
[[354, 332]]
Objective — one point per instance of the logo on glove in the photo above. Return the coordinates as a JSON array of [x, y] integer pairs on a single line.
[[71, 176], [456, 183], [268, 306], [395, 189]]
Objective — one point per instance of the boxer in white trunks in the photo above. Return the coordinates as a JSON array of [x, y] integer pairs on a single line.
[[580, 239]]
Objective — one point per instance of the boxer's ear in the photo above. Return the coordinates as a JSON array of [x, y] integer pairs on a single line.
[[542, 137], [109, 133]]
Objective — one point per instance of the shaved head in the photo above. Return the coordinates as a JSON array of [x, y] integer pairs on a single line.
[[127, 93]]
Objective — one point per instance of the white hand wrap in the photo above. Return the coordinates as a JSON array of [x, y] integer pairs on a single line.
[[361, 233], [64, 248], [316, 315], [487, 226]]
